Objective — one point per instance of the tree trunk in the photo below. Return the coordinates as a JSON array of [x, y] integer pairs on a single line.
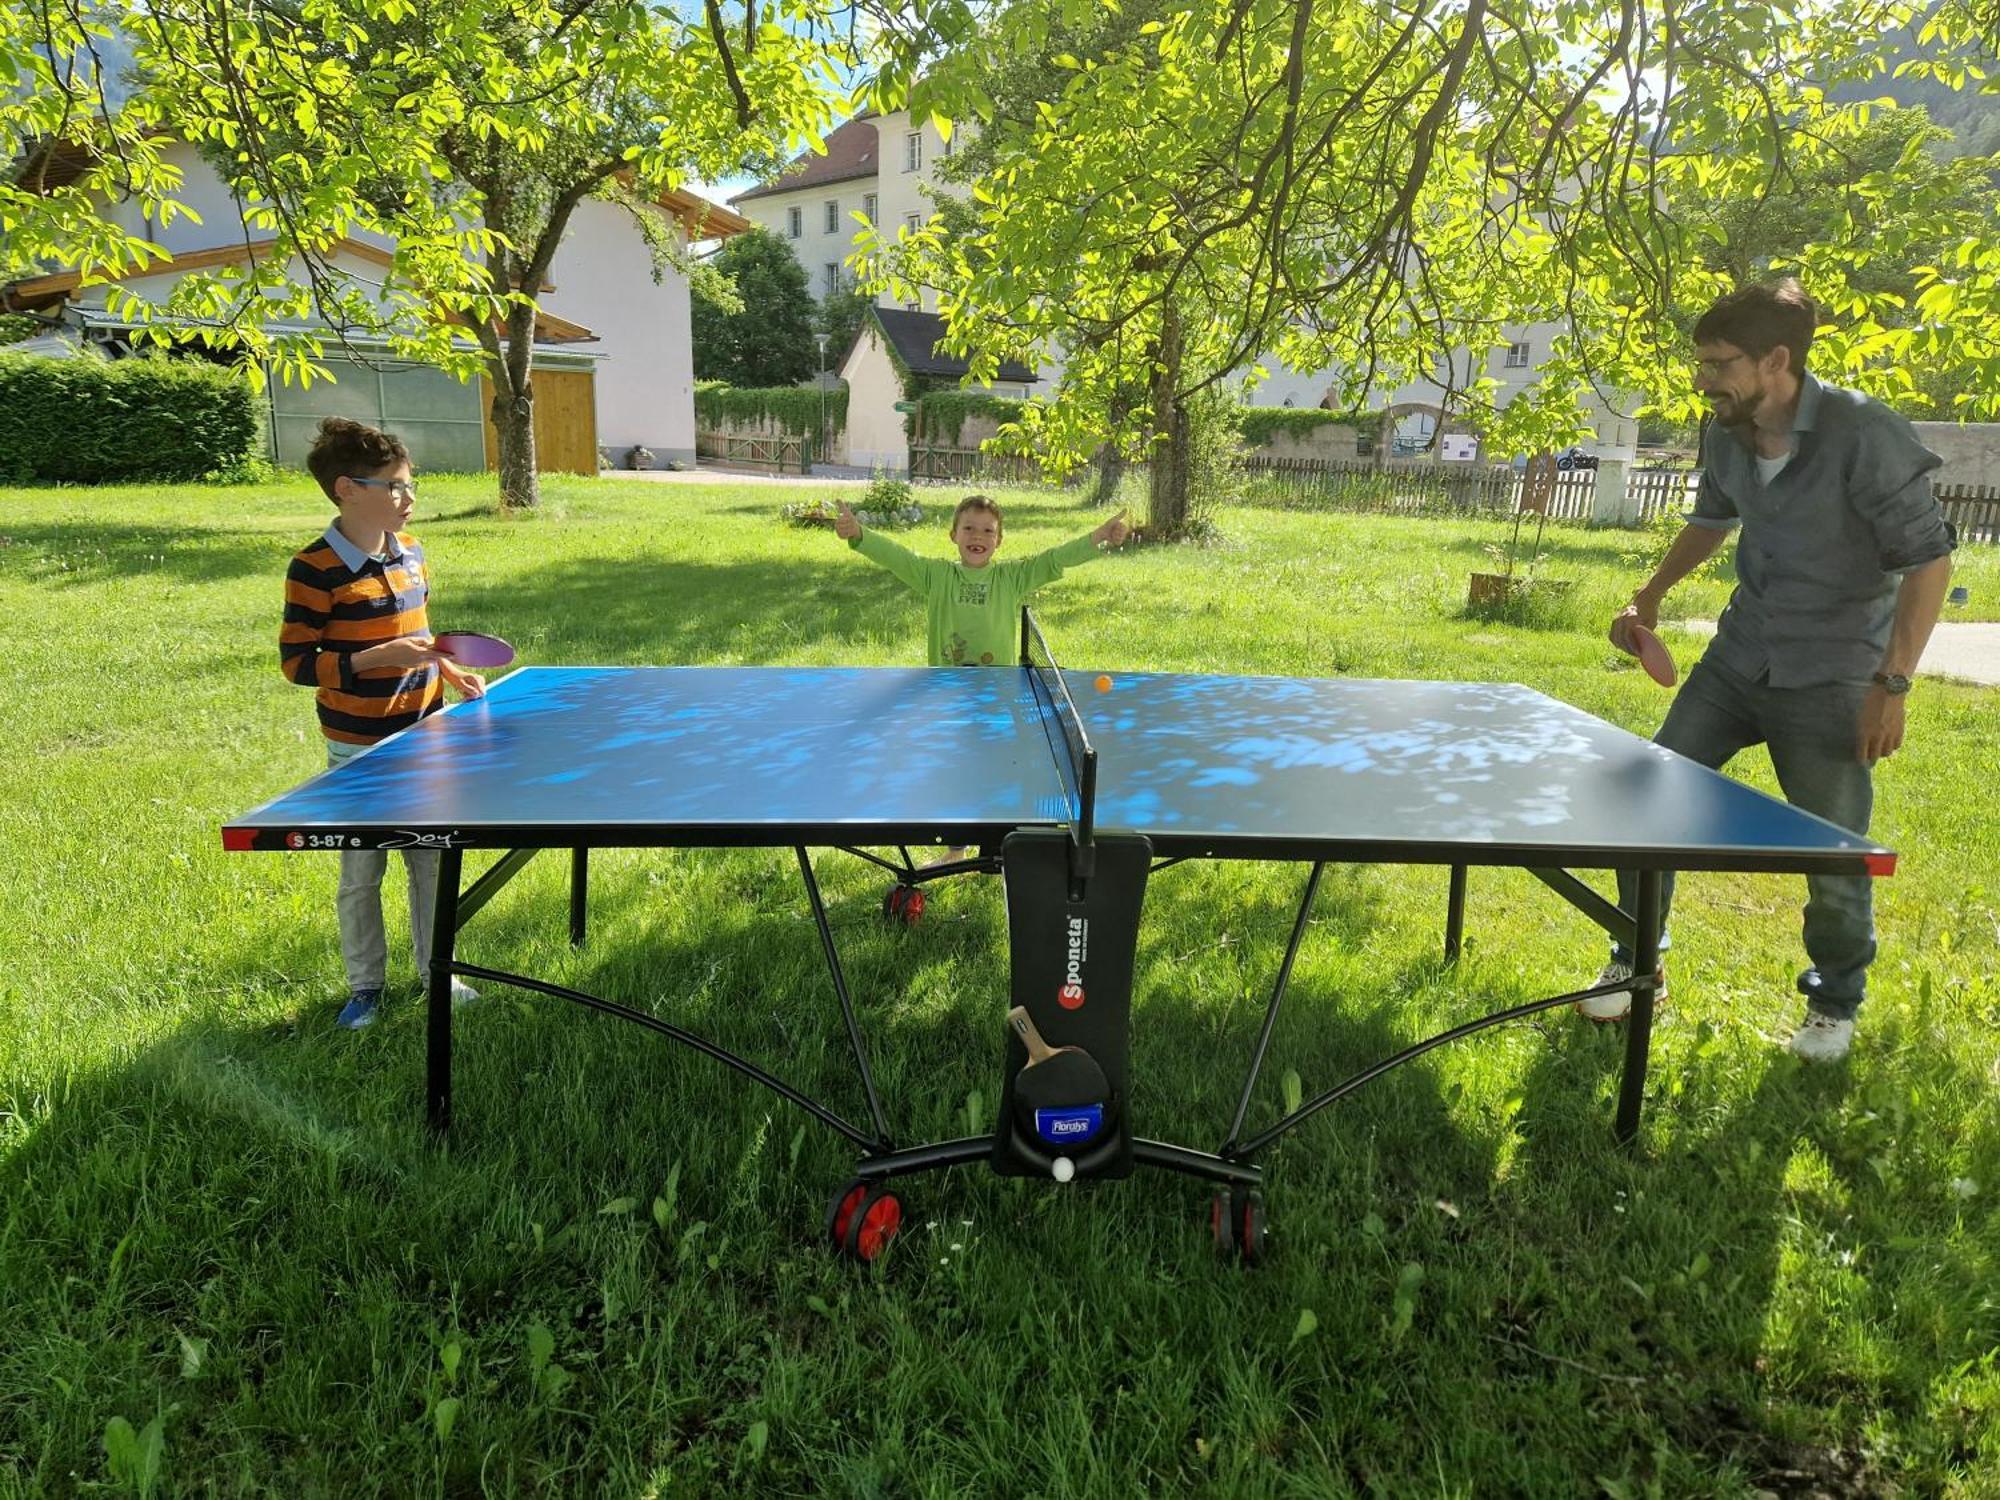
[[513, 416], [1110, 474], [1167, 502], [1111, 457]]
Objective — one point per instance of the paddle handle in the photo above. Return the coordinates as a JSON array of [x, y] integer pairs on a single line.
[[1024, 1027]]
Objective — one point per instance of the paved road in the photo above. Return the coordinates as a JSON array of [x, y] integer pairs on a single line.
[[707, 475]]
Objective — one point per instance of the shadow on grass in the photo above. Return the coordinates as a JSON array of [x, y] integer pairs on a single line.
[[75, 553], [246, 1229]]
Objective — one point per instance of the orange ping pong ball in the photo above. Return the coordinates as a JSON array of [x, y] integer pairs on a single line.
[[1103, 684]]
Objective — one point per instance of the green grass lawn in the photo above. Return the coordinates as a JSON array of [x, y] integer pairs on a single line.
[[231, 1259]]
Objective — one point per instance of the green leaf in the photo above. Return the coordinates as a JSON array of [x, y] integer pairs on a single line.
[[1307, 1326], [135, 1456], [541, 1344], [444, 1416]]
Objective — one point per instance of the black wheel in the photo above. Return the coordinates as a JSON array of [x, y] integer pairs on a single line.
[[873, 1225], [1247, 1212], [1222, 1224], [840, 1212]]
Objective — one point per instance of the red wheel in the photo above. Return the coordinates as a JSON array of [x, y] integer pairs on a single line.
[[874, 1224], [1250, 1241], [840, 1212], [903, 903], [1222, 1224]]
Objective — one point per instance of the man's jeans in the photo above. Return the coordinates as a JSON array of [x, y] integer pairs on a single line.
[[1813, 734]]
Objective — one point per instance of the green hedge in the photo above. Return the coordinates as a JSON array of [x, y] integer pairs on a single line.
[[92, 421], [791, 408], [1261, 424], [942, 414]]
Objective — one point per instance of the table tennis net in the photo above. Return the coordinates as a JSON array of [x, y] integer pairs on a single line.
[[1076, 760]]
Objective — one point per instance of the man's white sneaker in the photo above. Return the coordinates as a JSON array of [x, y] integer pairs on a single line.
[[1821, 1038], [1614, 1007]]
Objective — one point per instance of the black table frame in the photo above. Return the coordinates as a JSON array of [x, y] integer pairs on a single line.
[[1233, 1161]]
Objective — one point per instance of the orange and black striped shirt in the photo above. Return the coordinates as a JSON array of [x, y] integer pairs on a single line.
[[338, 601]]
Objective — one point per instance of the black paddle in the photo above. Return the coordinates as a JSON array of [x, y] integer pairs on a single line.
[[1061, 1094]]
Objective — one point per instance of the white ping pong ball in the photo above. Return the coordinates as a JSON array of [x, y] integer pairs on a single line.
[[1063, 1170]]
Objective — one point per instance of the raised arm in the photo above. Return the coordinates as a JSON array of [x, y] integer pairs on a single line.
[[1047, 567], [913, 570]]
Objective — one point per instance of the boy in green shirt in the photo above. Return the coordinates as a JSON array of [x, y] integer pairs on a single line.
[[973, 606]]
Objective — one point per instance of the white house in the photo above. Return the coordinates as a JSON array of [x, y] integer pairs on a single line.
[[877, 169], [613, 359], [880, 170], [895, 343]]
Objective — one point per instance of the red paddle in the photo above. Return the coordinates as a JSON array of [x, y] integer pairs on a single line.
[[1629, 636], [471, 649]]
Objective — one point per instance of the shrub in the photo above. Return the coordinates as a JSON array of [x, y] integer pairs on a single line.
[[789, 408], [92, 421], [1262, 424], [942, 414]]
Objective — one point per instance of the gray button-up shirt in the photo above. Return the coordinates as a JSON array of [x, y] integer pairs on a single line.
[[1825, 544]]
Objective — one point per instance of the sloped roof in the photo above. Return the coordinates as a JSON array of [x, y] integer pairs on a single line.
[[43, 291], [915, 336], [701, 218], [851, 151]]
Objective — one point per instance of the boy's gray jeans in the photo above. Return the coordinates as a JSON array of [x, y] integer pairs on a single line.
[[1813, 734], [364, 947]]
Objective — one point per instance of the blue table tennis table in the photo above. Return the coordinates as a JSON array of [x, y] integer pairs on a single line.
[[1077, 796]]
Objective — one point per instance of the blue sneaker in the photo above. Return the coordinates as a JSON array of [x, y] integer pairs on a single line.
[[359, 1010]]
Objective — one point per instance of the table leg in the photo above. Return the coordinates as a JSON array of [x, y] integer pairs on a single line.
[[1639, 1024], [579, 894], [1454, 915], [444, 941]]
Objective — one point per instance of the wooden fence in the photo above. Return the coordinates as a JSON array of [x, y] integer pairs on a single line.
[[1662, 491], [1412, 489], [1973, 509], [784, 452], [951, 465]]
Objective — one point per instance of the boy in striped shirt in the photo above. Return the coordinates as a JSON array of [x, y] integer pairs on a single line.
[[356, 629]]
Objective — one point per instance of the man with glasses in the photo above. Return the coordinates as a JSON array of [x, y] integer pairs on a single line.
[[1842, 566]]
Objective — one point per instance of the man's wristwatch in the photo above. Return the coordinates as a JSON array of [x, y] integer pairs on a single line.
[[1895, 684]]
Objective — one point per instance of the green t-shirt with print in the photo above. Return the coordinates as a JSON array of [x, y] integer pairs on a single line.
[[973, 614]]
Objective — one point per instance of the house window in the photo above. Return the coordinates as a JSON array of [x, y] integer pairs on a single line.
[[913, 151], [868, 207], [913, 307], [948, 146], [914, 223], [833, 216], [1517, 356], [832, 277], [795, 222]]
